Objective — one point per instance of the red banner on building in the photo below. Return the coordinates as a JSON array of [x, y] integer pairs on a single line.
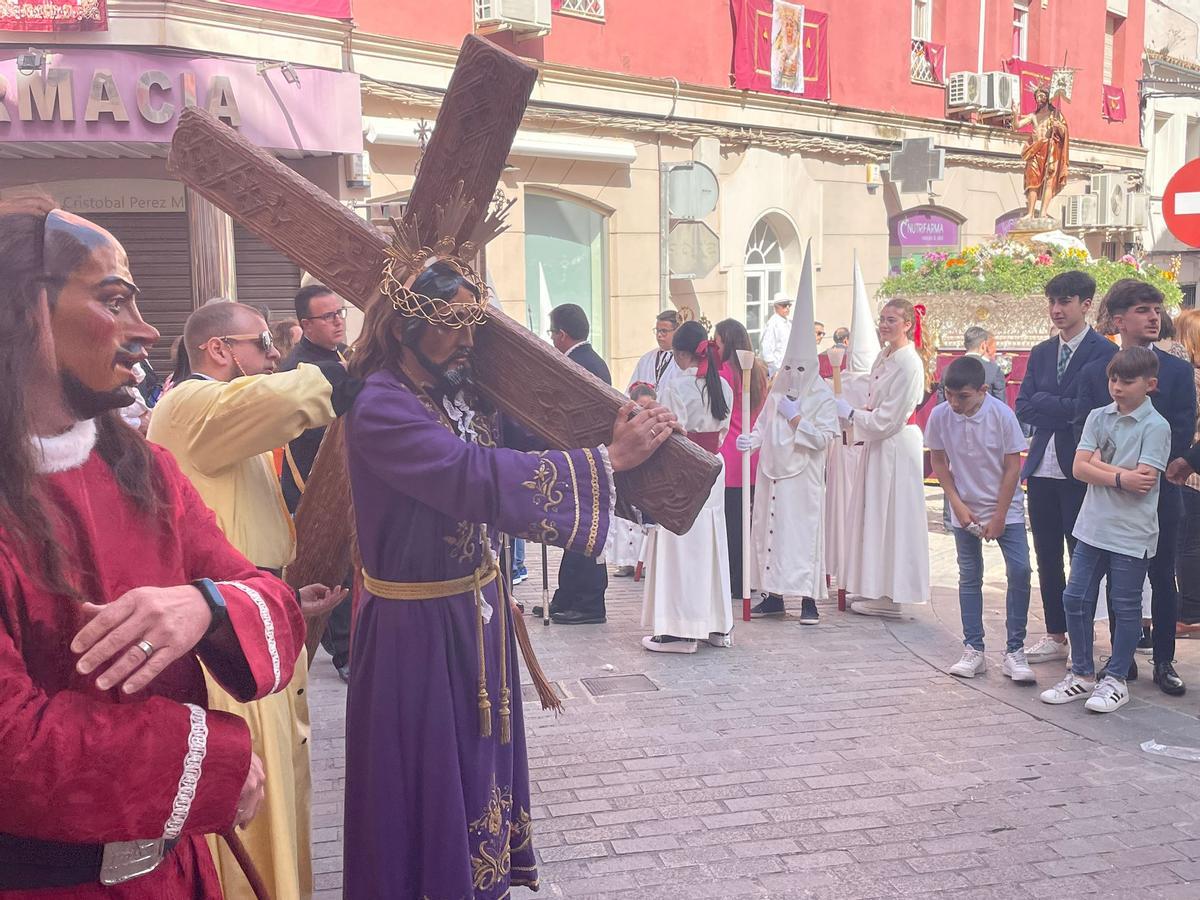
[[328, 9], [752, 49], [1032, 77], [1114, 103], [935, 54], [53, 15]]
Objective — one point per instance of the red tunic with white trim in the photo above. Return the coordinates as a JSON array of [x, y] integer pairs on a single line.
[[82, 765]]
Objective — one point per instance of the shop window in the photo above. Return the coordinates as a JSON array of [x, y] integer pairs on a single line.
[[763, 275], [1020, 29], [566, 261]]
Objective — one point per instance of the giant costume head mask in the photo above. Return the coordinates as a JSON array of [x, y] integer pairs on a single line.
[[99, 334]]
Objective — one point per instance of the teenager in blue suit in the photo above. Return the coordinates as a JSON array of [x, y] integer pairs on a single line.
[[1048, 402], [1136, 310]]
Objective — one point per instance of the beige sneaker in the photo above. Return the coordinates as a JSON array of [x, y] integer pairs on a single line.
[[972, 663], [883, 609], [1047, 650]]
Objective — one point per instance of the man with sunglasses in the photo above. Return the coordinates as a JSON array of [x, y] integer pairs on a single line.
[[222, 424], [322, 317]]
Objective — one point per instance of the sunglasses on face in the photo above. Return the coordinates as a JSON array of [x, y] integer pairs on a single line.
[[329, 317], [264, 340]]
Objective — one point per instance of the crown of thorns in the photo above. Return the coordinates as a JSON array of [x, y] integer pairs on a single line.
[[408, 256]]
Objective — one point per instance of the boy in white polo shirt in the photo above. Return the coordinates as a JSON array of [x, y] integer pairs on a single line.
[[1124, 448], [975, 444]]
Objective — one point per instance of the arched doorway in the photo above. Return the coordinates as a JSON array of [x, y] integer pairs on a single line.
[[763, 274]]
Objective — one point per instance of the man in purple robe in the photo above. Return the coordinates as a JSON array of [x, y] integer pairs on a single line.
[[437, 780]]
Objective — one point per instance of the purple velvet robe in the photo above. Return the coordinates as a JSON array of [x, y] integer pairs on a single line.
[[433, 810]]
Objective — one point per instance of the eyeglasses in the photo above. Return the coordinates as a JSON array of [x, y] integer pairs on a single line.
[[329, 317], [264, 340], [664, 331]]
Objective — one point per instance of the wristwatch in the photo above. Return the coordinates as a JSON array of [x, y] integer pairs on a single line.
[[216, 603]]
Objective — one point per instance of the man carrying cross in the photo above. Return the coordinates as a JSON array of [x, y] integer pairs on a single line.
[[437, 783]]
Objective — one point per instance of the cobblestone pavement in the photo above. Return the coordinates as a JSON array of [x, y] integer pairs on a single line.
[[830, 761]]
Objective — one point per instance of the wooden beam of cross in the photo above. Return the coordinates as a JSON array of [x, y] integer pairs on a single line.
[[523, 376]]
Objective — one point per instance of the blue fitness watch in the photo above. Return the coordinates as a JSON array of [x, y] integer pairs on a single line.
[[216, 603]]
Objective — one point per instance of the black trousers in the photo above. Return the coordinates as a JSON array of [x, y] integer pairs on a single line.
[[581, 585], [1164, 593], [336, 639], [1053, 508], [733, 534], [1187, 559]]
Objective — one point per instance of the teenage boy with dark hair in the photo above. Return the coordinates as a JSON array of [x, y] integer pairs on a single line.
[[1047, 402], [975, 445], [1135, 309], [1122, 452]]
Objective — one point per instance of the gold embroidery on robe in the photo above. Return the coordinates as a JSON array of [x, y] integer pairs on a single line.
[[462, 544], [546, 496], [491, 864]]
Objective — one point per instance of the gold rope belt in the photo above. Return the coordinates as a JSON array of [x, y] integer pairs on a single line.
[[473, 583], [429, 590]]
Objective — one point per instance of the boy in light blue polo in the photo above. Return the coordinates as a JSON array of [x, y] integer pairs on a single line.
[[1124, 448]]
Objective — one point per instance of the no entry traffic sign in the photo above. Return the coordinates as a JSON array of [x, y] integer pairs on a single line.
[[1181, 204]]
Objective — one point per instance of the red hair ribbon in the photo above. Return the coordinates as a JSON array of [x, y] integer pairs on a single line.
[[702, 353], [919, 312]]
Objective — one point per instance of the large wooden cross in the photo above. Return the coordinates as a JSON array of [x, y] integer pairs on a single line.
[[546, 393]]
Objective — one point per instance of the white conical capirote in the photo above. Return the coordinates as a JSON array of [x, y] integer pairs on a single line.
[[864, 339], [800, 358], [544, 304]]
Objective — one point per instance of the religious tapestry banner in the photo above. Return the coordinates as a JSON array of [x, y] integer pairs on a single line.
[[54, 15], [753, 48], [1114, 103], [787, 48]]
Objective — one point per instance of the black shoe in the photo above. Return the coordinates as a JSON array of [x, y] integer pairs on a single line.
[[575, 617], [344, 672], [1146, 641], [1168, 680], [769, 605], [808, 612], [1132, 676]]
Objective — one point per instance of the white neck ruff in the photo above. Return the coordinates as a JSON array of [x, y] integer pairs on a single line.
[[66, 451]]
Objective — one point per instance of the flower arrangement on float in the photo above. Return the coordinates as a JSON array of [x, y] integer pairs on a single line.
[[1013, 268]]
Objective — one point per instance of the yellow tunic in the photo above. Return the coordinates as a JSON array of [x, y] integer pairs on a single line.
[[222, 434]]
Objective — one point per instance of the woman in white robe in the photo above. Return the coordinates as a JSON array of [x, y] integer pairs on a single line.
[[787, 547], [887, 562], [686, 597]]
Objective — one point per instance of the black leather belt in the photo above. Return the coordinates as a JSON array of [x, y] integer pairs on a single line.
[[28, 864]]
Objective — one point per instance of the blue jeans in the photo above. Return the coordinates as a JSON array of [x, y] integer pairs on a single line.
[[518, 557], [1126, 575], [970, 585]]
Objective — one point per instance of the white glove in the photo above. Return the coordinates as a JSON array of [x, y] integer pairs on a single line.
[[747, 442], [788, 408], [844, 409]]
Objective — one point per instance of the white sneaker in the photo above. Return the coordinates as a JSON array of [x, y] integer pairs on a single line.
[[1070, 688], [1110, 695], [1045, 650], [717, 639], [1017, 668], [884, 608], [668, 646], [971, 664]]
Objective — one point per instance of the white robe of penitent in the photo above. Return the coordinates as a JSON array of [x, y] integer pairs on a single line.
[[687, 582], [841, 472], [787, 548], [888, 553]]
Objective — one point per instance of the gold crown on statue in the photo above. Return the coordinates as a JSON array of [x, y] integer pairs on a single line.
[[408, 256]]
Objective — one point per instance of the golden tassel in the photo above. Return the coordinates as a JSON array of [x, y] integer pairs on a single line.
[[505, 710], [485, 703]]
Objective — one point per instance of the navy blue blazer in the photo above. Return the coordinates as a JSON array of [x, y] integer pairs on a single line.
[[586, 356], [1049, 407], [1175, 398]]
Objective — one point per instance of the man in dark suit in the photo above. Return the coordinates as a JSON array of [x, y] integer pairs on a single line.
[[322, 317], [582, 582], [1048, 402], [1135, 309]]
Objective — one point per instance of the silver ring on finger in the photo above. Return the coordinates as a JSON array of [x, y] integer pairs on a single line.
[[146, 647]]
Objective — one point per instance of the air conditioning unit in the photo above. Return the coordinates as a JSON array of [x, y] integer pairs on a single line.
[[964, 90], [1000, 92], [526, 18], [1080, 211], [1137, 207], [1110, 192]]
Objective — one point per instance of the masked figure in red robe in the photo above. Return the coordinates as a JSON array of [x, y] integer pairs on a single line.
[[114, 582]]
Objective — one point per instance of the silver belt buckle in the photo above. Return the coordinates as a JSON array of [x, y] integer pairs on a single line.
[[125, 860]]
